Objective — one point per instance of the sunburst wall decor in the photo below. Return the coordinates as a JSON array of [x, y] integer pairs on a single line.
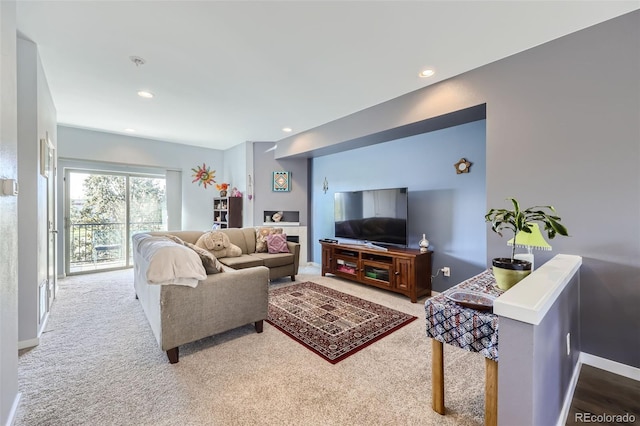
[[203, 175]]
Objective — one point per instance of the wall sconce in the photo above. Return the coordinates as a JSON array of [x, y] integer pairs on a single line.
[[249, 189], [325, 185]]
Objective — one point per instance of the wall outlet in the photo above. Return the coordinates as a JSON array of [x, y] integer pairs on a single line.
[[568, 343], [446, 271]]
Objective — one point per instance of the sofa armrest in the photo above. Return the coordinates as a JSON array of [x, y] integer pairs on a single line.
[[295, 249], [221, 302]]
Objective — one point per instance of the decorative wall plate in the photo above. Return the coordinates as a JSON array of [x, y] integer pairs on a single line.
[[462, 166]]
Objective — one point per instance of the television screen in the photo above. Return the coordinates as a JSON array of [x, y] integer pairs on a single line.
[[375, 215]]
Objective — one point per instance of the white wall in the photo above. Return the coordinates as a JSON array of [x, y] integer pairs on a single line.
[[235, 174], [36, 120], [94, 146], [8, 216]]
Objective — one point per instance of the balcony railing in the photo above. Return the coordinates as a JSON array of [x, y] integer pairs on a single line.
[[103, 245]]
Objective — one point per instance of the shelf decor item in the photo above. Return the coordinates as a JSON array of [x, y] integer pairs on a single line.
[[281, 181], [203, 175], [222, 187], [424, 244], [509, 271]]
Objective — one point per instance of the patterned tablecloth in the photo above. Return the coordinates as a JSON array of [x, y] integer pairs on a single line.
[[466, 328]]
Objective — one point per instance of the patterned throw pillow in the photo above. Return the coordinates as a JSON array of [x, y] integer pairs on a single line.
[[277, 243], [261, 237], [209, 261]]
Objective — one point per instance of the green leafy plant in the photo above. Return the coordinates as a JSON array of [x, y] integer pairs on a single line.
[[517, 220]]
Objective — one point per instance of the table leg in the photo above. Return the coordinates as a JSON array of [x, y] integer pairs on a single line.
[[437, 376], [491, 392]]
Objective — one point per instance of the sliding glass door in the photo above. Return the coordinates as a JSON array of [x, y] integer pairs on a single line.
[[103, 210]]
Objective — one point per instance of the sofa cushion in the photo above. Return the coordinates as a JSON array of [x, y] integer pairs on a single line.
[[261, 237], [277, 243], [244, 261], [209, 261], [245, 238], [275, 260]]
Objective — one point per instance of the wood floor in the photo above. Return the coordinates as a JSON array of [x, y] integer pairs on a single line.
[[600, 393]]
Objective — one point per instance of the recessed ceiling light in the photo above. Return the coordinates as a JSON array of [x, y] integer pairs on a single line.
[[145, 94], [130, 130], [426, 73], [287, 129]]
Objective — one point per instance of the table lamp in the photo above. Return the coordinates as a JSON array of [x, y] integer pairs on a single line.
[[533, 240]]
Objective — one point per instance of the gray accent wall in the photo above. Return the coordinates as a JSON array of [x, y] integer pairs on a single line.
[[8, 215], [264, 164], [562, 129]]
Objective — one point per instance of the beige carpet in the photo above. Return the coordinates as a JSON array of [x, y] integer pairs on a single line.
[[99, 364]]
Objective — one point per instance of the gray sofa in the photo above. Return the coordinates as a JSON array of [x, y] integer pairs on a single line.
[[279, 264], [179, 314]]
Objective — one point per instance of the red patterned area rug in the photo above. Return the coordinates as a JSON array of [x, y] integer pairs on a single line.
[[330, 323]]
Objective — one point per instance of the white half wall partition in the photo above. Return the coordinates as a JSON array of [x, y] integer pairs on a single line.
[[539, 322]]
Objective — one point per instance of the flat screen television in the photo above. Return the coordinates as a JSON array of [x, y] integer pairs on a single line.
[[372, 215]]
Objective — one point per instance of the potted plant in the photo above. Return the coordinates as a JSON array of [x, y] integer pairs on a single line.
[[509, 271]]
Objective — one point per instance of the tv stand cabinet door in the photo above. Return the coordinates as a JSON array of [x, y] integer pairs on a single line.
[[327, 260], [377, 274], [404, 276]]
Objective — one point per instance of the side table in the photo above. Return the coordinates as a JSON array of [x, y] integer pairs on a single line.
[[469, 329]]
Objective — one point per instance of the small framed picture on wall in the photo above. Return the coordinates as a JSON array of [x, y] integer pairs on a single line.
[[46, 156], [281, 181]]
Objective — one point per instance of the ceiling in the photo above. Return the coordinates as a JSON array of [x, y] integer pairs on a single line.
[[226, 72]]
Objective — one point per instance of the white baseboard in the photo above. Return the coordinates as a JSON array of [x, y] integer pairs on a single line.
[[23, 344], [30, 343], [14, 409], [598, 362], [609, 365], [568, 397]]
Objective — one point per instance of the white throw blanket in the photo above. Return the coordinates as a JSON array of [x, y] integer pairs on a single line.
[[165, 262]]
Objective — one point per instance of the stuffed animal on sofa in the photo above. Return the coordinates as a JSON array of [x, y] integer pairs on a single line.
[[219, 244]]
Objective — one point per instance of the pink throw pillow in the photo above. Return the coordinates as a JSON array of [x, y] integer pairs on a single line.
[[277, 243]]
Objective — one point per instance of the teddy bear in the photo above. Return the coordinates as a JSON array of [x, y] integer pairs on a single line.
[[218, 244]]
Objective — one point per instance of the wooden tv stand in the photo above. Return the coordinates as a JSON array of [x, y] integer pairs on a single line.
[[404, 271]]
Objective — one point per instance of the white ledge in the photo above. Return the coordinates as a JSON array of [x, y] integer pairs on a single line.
[[530, 299]]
